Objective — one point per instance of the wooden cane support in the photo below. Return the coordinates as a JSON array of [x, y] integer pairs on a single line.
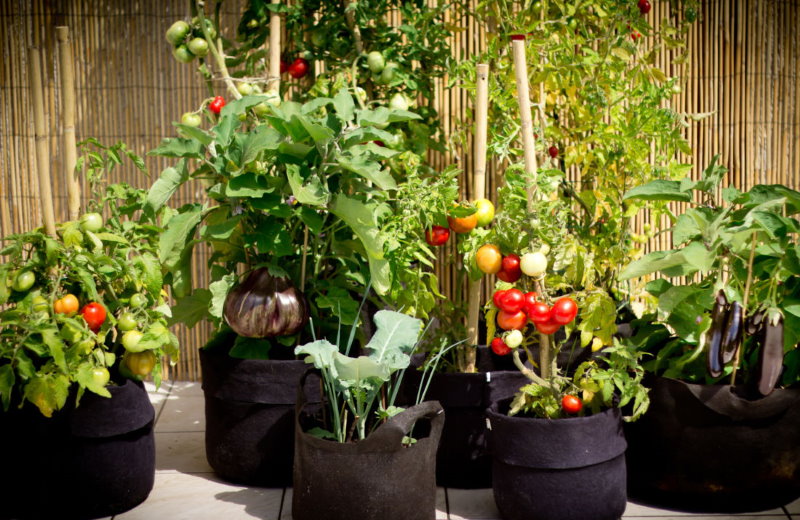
[[42, 153], [274, 84], [67, 69]]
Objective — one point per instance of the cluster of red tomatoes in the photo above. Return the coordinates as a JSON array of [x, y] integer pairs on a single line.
[[516, 308], [93, 313]]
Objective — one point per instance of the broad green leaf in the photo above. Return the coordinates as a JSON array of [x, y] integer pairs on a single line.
[[315, 104], [659, 190], [361, 219], [366, 135], [111, 237], [700, 258], [344, 106], [239, 106], [369, 169], [192, 309], [320, 353], [219, 291], [84, 378], [340, 304], [262, 138], [149, 271], [320, 134], [179, 230], [395, 336], [47, 392], [155, 336], [360, 368], [312, 219], [198, 134], [250, 348], [222, 230], [225, 129], [178, 147], [651, 263], [52, 338], [274, 239], [312, 192]]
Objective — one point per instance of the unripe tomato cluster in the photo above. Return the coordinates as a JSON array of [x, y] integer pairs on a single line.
[[189, 41]]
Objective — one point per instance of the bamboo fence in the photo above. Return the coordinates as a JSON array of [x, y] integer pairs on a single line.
[[744, 70]]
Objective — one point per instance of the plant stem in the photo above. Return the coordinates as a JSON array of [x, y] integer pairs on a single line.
[[217, 52], [737, 359]]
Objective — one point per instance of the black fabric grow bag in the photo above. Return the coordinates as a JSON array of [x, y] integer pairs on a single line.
[[463, 459], [90, 461], [249, 405], [565, 469], [377, 478], [702, 448]]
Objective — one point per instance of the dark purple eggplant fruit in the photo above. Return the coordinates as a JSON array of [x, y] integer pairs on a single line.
[[714, 334], [770, 360], [263, 306], [732, 335]]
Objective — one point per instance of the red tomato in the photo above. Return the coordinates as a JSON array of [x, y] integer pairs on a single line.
[[512, 320], [547, 327], [530, 299], [635, 35], [571, 404], [512, 301], [284, 67], [644, 6], [497, 298], [500, 348], [437, 235], [66, 305], [94, 314], [510, 271], [539, 312], [564, 310], [216, 104], [298, 68], [553, 151]]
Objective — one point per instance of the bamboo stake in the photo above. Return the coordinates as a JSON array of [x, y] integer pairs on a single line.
[[274, 83], [478, 192], [67, 69], [42, 153], [524, 99]]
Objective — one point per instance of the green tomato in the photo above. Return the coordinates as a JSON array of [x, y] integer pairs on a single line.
[[24, 281], [198, 47], [533, 264], [398, 102], [182, 54], [138, 300], [127, 321], [131, 339], [177, 32], [244, 89], [92, 222], [388, 73], [261, 109], [318, 38], [485, 212], [375, 62], [100, 376], [40, 304], [191, 119]]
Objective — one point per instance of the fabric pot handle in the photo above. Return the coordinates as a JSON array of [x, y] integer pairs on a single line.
[[721, 400], [388, 436]]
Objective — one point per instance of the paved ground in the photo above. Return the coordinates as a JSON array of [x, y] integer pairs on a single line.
[[186, 488]]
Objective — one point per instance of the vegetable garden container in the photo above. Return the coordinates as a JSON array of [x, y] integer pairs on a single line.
[[702, 448], [94, 460], [249, 405], [378, 477], [463, 459], [563, 469]]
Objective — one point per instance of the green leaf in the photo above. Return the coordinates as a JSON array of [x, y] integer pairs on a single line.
[[192, 309], [254, 143], [179, 230], [700, 258], [47, 392], [369, 169], [344, 106], [149, 272], [198, 134], [52, 338], [155, 337], [320, 353], [225, 130], [659, 190], [223, 230], [85, 378], [320, 134], [178, 147], [250, 348], [6, 384], [311, 193], [274, 239], [340, 304], [395, 336], [312, 219], [652, 262], [219, 291], [360, 368]]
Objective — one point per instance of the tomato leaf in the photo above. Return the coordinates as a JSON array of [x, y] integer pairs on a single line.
[[165, 186], [191, 309]]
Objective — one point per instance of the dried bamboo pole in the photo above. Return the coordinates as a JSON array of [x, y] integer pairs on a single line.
[[67, 69], [524, 100], [478, 192], [274, 83], [42, 153]]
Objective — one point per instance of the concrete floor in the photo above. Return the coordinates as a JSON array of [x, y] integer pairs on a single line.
[[186, 487]]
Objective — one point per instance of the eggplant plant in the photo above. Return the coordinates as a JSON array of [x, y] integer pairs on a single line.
[[736, 309], [352, 385]]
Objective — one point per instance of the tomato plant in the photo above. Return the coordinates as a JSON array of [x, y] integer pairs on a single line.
[[463, 224], [489, 259], [216, 104], [24, 281], [499, 347], [485, 213], [539, 312], [512, 301], [571, 404], [140, 363], [49, 350], [564, 310], [437, 236], [511, 320]]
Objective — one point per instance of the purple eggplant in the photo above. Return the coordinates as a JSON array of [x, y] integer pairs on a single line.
[[714, 334], [770, 360], [732, 334]]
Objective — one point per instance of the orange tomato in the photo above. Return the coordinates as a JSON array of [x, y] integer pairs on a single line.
[[463, 224], [489, 259], [66, 305]]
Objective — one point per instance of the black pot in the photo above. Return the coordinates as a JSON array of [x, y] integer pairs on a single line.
[[702, 448], [375, 478], [249, 406], [565, 469], [463, 459], [94, 460]]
